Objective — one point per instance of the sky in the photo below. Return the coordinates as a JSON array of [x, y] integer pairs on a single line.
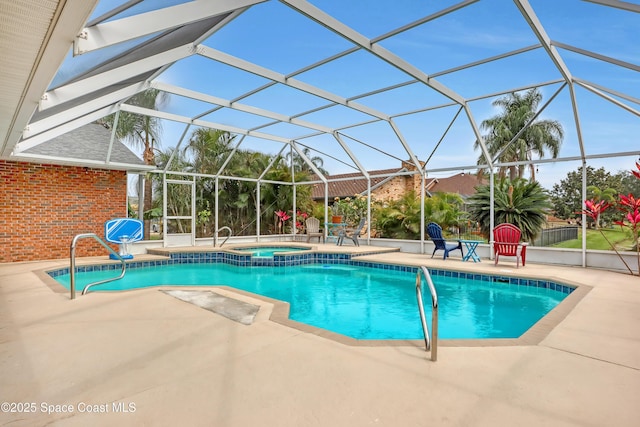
[[276, 37]]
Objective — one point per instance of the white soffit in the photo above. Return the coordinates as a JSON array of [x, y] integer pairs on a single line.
[[35, 37]]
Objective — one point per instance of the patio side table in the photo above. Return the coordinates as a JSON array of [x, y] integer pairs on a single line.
[[471, 246]]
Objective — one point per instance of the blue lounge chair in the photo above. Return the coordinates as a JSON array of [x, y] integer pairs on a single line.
[[435, 233]]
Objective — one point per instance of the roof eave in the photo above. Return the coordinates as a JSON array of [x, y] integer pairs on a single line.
[[92, 164]]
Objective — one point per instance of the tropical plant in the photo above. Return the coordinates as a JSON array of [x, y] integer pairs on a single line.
[[400, 219], [606, 195], [519, 202], [538, 137], [282, 218], [445, 209], [629, 205], [351, 208], [208, 149], [336, 207], [300, 220], [280, 196], [593, 210], [204, 218]]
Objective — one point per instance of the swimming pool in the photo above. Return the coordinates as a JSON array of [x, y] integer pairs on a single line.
[[365, 300], [268, 251]]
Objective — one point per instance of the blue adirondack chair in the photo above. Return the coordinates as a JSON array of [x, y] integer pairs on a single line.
[[435, 233]]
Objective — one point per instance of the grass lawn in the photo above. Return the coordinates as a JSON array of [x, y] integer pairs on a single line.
[[620, 238]]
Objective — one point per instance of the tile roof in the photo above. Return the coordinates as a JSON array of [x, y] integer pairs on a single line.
[[461, 183], [350, 184]]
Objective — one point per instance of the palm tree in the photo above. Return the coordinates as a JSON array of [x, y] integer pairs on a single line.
[[299, 165], [520, 202], [209, 149], [538, 138], [444, 209], [398, 219], [142, 132]]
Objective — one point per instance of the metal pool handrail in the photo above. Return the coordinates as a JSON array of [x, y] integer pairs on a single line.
[[72, 267], [433, 343], [215, 236]]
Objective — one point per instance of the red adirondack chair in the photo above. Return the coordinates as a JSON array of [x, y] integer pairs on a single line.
[[506, 242]]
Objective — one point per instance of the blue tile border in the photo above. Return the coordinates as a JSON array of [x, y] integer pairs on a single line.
[[222, 257]]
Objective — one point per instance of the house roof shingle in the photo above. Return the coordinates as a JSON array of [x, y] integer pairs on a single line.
[[87, 142]]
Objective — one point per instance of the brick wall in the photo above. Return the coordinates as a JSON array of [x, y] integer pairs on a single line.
[[391, 190], [397, 187], [42, 207]]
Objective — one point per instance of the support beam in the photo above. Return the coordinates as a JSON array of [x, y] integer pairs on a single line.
[[353, 36], [623, 5], [536, 26], [91, 84], [476, 131], [609, 98], [238, 106], [610, 60], [529, 15], [352, 156], [308, 161], [204, 123], [120, 30], [287, 81], [62, 129], [408, 149], [64, 116]]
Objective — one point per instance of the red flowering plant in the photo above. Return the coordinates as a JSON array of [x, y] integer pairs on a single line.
[[301, 217], [630, 208], [637, 173], [282, 218]]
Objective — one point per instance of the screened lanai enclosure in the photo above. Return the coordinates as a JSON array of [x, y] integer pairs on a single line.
[[242, 108]]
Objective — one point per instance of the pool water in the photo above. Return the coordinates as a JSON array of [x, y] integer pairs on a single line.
[[267, 252], [361, 302]]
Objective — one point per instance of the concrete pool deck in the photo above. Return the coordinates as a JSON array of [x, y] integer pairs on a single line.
[[146, 358]]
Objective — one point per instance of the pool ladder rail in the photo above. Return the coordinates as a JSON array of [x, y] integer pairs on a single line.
[[72, 267], [215, 236], [430, 343]]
